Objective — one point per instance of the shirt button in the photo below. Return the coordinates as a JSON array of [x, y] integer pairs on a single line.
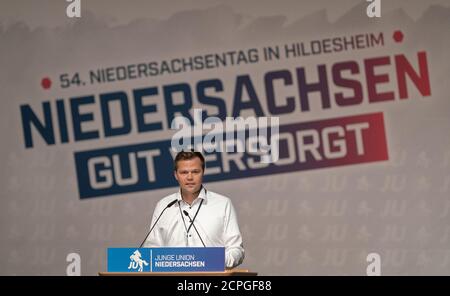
[[190, 235]]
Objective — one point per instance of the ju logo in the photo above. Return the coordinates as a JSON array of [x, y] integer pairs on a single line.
[[129, 260], [136, 261]]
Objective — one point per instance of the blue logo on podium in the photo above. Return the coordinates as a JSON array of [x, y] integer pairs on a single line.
[[166, 259]]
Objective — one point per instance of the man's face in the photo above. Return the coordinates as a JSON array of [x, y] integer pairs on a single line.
[[189, 175]]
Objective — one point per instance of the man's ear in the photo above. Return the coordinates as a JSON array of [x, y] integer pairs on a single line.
[[175, 174]]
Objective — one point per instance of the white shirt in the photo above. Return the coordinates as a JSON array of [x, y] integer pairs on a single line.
[[216, 223]]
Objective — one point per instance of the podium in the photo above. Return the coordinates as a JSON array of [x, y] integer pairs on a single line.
[[207, 261], [230, 272]]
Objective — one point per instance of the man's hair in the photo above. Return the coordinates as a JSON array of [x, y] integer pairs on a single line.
[[187, 155]]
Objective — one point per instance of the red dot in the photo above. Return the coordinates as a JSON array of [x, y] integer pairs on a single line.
[[398, 36], [46, 83]]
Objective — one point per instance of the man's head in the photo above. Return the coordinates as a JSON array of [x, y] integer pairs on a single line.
[[189, 168]]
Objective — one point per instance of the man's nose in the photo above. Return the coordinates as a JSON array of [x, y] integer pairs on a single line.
[[190, 175]]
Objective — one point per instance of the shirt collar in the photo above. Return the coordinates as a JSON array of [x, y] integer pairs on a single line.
[[201, 195]]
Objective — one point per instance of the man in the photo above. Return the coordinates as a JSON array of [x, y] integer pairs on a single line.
[[213, 214]]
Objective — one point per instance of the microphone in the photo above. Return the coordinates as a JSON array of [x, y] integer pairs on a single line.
[[192, 223], [168, 206]]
